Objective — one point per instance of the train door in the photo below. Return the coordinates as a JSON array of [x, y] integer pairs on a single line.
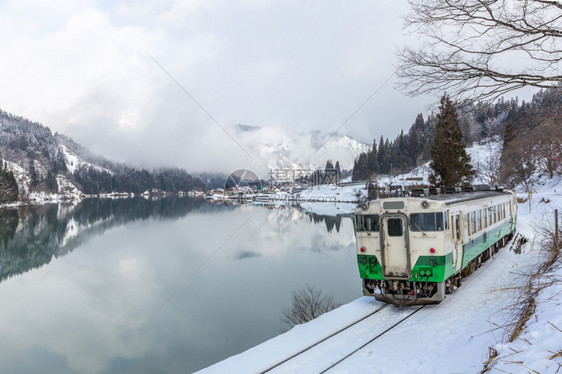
[[457, 238], [395, 246]]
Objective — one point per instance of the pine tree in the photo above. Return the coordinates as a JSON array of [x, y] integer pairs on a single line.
[[381, 154], [33, 174], [338, 172], [414, 147], [372, 159], [450, 162], [363, 166], [329, 166], [355, 172], [8, 185]]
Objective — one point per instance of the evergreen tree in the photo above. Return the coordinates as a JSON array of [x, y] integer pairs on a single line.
[[416, 134], [33, 174], [372, 159], [450, 162], [51, 182], [8, 186], [338, 172], [363, 167], [355, 171], [381, 154]]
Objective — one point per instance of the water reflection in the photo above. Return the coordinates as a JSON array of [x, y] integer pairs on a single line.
[[222, 274], [52, 230]]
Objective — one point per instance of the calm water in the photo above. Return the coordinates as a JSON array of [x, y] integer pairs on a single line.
[[170, 286]]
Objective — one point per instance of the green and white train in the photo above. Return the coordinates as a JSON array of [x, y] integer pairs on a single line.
[[414, 250]]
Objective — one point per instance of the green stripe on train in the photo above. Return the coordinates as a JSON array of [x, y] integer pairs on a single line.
[[437, 268], [475, 247], [426, 269]]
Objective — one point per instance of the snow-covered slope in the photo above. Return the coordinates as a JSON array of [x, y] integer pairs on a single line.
[[74, 162]]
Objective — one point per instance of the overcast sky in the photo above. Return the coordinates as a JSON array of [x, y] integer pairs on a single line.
[[99, 72]]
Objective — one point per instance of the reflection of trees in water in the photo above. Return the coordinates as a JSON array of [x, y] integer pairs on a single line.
[[31, 236], [8, 224], [330, 221]]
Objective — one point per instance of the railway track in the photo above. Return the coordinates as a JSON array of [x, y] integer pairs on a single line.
[[355, 335]]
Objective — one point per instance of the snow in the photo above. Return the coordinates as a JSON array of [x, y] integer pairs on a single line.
[[20, 174], [278, 151], [536, 348], [74, 162], [455, 336]]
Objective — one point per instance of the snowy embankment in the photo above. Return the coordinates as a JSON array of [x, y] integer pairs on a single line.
[[539, 347], [454, 336]]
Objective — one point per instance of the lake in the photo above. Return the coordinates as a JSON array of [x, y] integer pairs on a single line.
[[165, 286]]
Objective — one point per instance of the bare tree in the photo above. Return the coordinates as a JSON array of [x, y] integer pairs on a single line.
[[518, 162], [481, 49], [487, 168], [306, 304], [548, 147]]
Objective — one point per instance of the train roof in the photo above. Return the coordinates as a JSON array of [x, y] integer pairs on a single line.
[[461, 197]]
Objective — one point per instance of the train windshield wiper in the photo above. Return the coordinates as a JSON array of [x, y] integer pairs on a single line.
[[419, 228]]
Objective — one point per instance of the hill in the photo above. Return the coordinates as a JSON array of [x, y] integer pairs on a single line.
[[46, 164]]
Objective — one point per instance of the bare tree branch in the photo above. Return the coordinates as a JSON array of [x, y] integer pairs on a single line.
[[306, 304], [481, 49]]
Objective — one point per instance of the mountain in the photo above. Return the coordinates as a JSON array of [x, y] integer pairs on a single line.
[[44, 164], [277, 149]]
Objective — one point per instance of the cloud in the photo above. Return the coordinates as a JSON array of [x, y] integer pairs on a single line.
[[86, 70]]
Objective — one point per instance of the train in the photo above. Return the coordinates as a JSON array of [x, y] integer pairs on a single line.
[[416, 248]]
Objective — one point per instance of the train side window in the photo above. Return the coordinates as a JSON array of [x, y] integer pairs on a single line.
[[485, 217], [367, 222], [468, 221], [490, 211], [446, 218], [479, 220], [503, 210], [473, 222], [457, 227], [495, 216]]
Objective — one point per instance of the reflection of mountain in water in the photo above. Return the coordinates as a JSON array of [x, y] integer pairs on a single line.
[[31, 236]]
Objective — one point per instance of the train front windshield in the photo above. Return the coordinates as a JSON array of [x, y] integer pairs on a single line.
[[367, 222], [426, 222]]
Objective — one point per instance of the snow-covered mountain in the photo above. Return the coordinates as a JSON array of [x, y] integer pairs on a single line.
[[46, 165], [277, 149]]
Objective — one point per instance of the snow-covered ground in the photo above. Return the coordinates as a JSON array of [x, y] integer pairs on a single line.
[[539, 347], [455, 336]]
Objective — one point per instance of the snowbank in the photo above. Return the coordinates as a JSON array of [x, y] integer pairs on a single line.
[[539, 347]]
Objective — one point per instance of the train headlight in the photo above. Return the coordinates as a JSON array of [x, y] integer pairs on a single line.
[[432, 250], [363, 249]]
